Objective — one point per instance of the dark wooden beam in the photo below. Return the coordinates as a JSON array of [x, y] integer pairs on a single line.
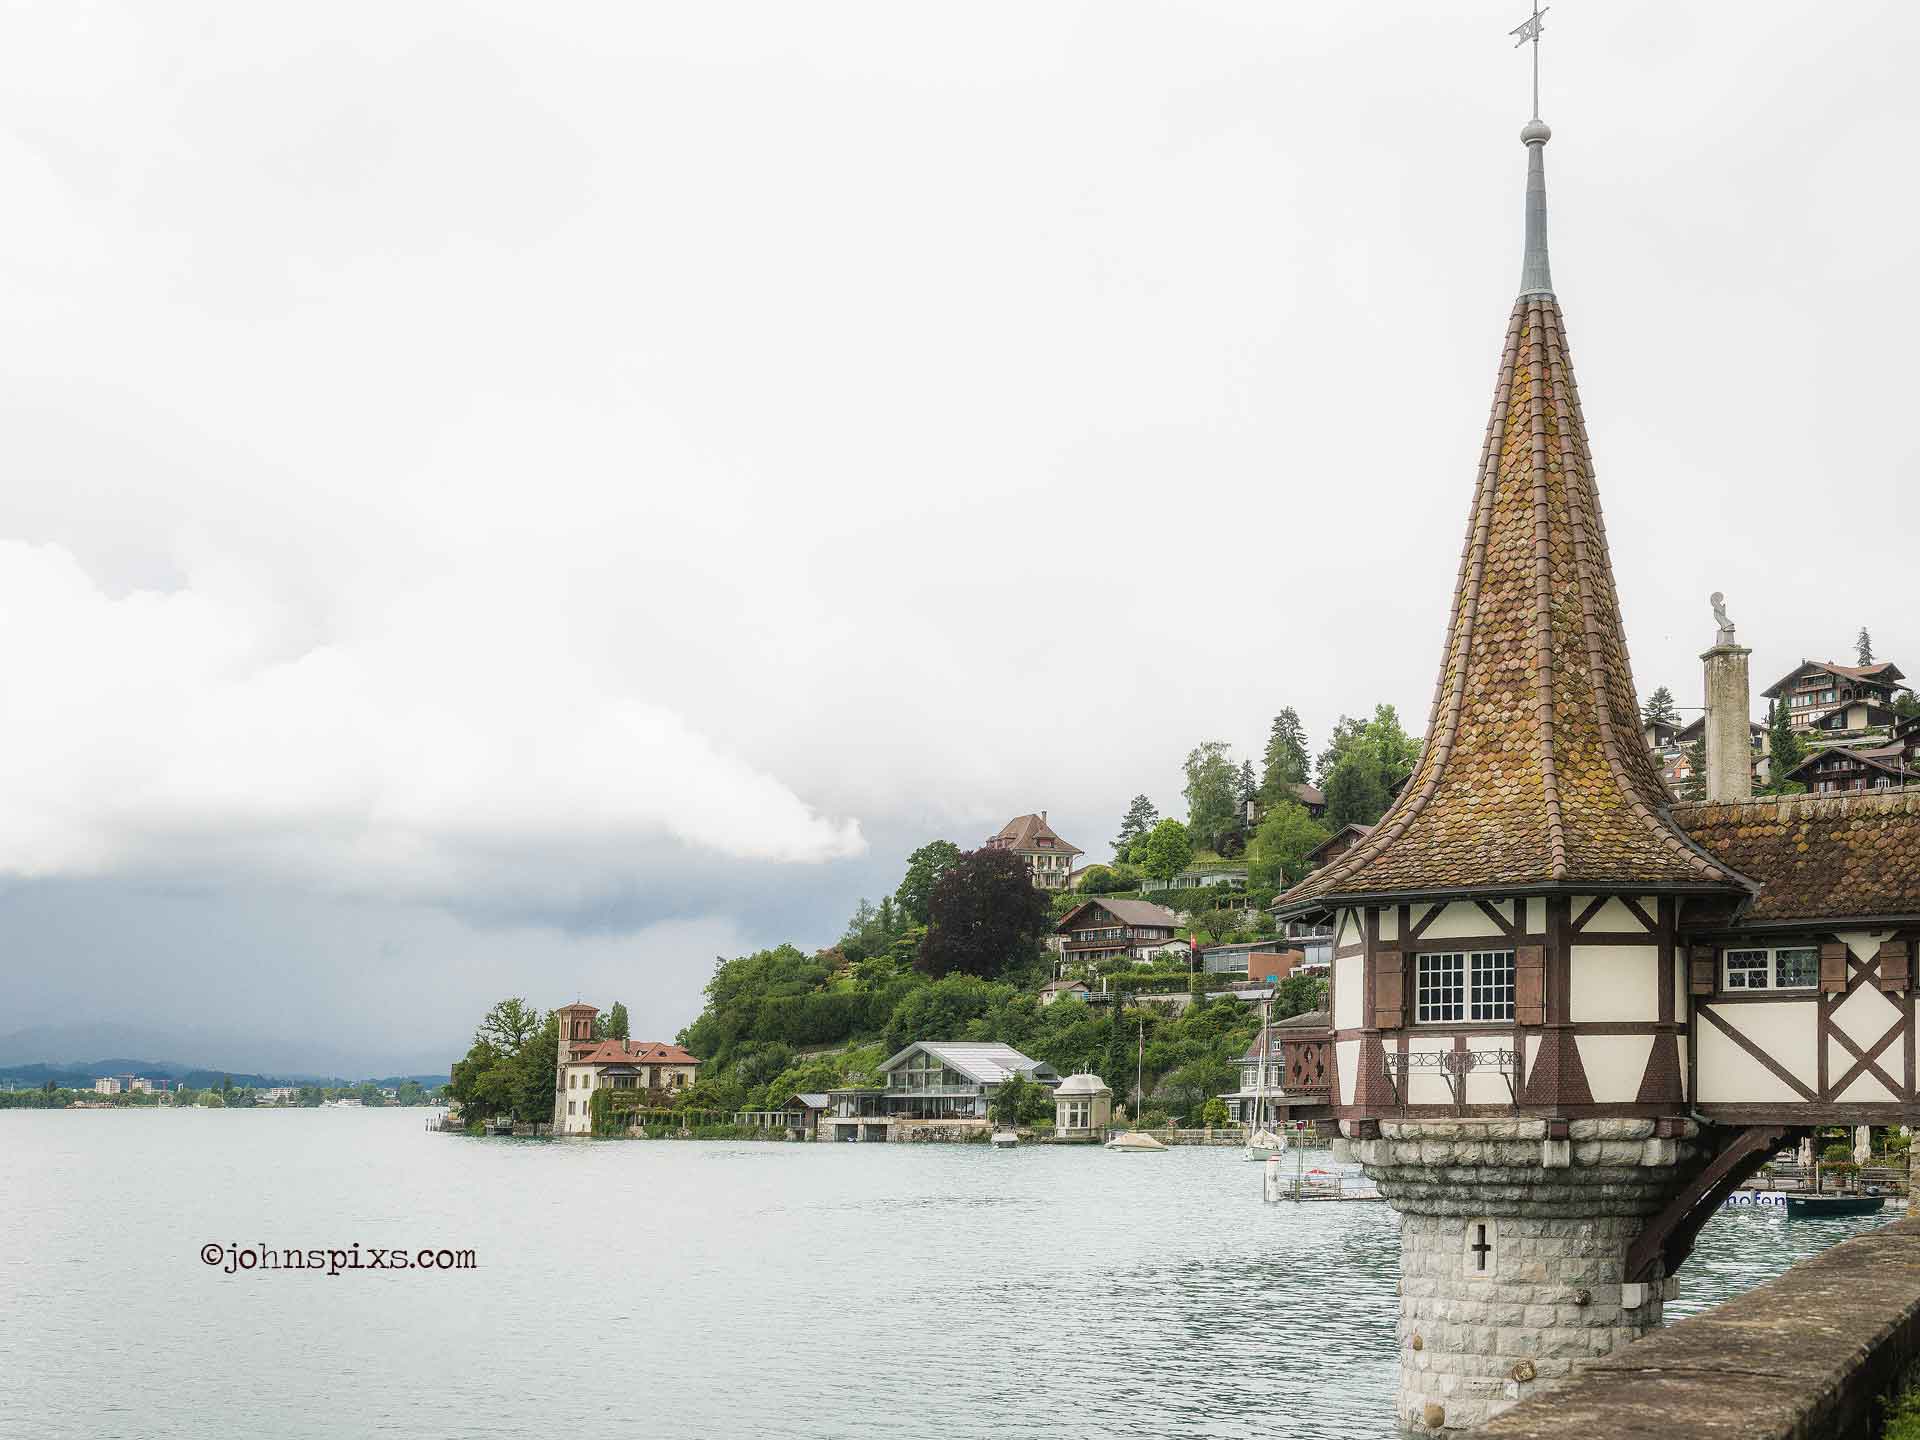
[[1669, 1236]]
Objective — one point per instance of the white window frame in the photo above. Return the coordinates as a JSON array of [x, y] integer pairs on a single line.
[[1769, 975], [1463, 987]]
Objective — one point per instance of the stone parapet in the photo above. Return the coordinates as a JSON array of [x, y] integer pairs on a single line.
[[1513, 1246]]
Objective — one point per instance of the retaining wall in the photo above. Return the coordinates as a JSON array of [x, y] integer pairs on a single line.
[[1807, 1355]]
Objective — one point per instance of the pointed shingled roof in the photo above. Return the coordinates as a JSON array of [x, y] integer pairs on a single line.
[[1534, 775]]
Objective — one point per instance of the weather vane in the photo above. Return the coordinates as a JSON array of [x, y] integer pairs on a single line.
[[1529, 29]]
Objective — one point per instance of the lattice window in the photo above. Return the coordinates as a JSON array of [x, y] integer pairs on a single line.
[[1441, 994], [1492, 988]]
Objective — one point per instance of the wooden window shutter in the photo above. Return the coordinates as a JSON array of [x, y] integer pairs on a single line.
[[1833, 967], [1702, 962], [1389, 990], [1895, 958], [1530, 984]]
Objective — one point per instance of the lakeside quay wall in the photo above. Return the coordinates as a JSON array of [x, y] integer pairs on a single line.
[[1809, 1354]]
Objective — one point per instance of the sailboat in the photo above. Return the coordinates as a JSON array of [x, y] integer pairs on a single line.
[[1137, 1142], [1263, 1144]]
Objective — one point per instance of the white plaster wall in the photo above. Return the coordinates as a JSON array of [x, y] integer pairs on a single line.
[[1349, 992], [1536, 916], [1865, 1086], [1346, 1057], [1614, 917], [1615, 1065], [1613, 982], [1865, 944], [1346, 929], [1489, 1087], [1786, 1031], [1428, 1087], [1460, 920], [1389, 922], [1864, 1017], [1533, 1051]]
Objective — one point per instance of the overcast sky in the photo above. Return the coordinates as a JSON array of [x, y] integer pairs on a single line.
[[526, 499]]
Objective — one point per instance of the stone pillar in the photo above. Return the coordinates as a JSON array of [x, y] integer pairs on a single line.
[[1728, 736], [1513, 1252]]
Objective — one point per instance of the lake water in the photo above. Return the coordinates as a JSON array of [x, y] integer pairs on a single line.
[[694, 1288]]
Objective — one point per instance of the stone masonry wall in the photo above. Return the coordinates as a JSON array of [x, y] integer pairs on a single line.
[[1512, 1253]]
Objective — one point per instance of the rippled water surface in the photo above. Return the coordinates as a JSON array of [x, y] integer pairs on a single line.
[[694, 1289]]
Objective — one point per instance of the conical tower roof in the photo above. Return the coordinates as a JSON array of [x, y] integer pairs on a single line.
[[1534, 775]]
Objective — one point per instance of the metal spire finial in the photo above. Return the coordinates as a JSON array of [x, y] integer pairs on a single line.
[[1535, 276]]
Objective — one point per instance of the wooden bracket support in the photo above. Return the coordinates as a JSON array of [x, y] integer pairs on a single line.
[[1669, 1236]]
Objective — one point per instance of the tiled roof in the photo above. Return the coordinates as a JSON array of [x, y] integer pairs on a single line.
[[1815, 857], [1025, 832], [984, 1062], [1308, 794], [1354, 830], [1127, 912], [1535, 772], [1884, 672], [634, 1052]]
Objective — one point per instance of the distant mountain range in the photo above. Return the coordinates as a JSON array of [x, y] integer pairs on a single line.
[[58, 1052], [80, 1076]]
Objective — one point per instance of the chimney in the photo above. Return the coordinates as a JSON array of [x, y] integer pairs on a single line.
[[1043, 817], [1729, 706]]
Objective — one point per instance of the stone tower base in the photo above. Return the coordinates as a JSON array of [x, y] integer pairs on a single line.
[[1512, 1252]]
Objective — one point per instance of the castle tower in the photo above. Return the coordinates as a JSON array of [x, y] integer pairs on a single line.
[[1508, 995], [576, 1037]]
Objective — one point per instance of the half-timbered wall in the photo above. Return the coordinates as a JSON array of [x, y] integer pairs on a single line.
[[1839, 1050], [1599, 1017]]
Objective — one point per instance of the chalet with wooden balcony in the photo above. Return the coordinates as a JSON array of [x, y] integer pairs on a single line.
[[1049, 858], [1103, 931], [1841, 770], [1814, 689], [1297, 1084]]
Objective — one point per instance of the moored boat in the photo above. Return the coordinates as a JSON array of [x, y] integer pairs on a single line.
[[1809, 1207], [1134, 1142], [1005, 1139]]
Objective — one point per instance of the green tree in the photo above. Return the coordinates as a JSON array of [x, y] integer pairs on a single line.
[[1906, 705], [226, 1086], [1694, 787], [1009, 1101], [618, 1025], [1286, 762], [1138, 822], [1246, 788], [1785, 751], [1200, 1080], [1395, 751], [1863, 646], [1356, 791], [411, 1094], [924, 867], [1166, 851], [1277, 855], [1211, 782], [983, 916], [508, 1024], [1660, 709]]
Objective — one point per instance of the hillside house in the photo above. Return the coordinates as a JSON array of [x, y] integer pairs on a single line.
[[1840, 770], [1049, 858], [1815, 689], [1101, 931], [1063, 990], [1337, 844], [1298, 1080], [945, 1082]]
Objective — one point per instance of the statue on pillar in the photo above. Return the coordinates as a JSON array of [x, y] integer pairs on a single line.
[[1725, 637]]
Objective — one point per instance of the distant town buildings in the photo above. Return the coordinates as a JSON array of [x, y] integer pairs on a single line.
[[1840, 769], [1049, 858]]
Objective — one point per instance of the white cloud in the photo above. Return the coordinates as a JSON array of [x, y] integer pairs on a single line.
[[454, 742]]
